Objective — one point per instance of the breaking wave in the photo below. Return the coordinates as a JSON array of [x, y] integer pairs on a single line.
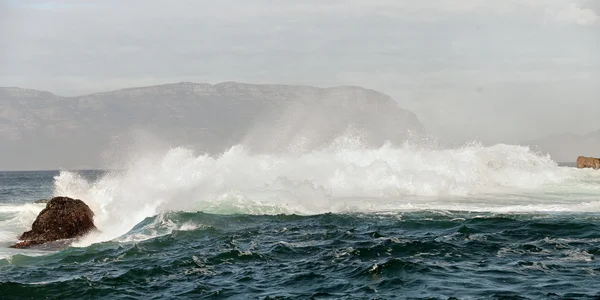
[[345, 177]]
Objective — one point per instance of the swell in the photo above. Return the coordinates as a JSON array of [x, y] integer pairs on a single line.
[[345, 177], [422, 255]]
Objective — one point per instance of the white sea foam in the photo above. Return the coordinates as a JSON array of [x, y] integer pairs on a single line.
[[15, 219], [343, 177]]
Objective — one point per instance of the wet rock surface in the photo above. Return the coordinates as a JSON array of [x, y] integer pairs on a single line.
[[588, 162], [63, 218]]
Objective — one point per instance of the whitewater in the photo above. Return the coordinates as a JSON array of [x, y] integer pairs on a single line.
[[345, 221], [345, 177]]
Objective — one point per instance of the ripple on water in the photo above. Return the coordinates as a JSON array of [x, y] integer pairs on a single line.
[[421, 255]]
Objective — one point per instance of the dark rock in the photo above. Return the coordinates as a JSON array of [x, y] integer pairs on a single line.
[[588, 162], [26, 244], [46, 246], [63, 218]]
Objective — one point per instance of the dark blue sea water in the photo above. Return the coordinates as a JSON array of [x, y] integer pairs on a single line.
[[505, 246]]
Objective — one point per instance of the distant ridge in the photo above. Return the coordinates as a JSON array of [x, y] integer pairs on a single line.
[[40, 130], [188, 84], [566, 147]]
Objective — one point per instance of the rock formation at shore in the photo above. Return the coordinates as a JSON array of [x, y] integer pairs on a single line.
[[588, 162], [63, 218]]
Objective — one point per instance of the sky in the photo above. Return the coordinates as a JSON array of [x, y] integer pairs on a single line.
[[504, 70]]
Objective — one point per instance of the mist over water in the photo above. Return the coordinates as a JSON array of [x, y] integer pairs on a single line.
[[345, 176], [377, 221], [336, 192]]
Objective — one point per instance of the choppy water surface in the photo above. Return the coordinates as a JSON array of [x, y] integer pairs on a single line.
[[347, 223], [351, 256]]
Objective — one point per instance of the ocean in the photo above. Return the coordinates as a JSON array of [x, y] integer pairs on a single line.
[[346, 222]]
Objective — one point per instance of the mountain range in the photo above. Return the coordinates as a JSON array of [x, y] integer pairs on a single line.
[[40, 130]]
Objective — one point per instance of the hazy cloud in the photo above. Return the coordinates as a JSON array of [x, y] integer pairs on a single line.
[[576, 14], [464, 66]]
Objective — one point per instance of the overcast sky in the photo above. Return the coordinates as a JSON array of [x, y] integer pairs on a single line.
[[500, 70]]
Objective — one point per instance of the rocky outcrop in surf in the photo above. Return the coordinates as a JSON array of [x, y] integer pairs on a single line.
[[588, 162], [63, 218]]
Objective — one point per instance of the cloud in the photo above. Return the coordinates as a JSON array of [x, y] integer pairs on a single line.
[[576, 14], [447, 60]]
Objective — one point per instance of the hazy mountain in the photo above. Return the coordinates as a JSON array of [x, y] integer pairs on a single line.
[[567, 147], [40, 130]]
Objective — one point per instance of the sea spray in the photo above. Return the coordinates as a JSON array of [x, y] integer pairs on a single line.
[[16, 218], [344, 177]]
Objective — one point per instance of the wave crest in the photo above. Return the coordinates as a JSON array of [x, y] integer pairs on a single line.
[[342, 177]]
